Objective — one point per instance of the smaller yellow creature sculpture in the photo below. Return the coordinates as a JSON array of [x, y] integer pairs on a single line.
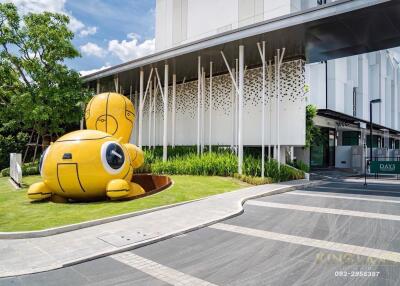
[[90, 165]]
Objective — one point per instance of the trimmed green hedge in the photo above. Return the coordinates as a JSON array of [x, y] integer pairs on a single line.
[[27, 169], [222, 163]]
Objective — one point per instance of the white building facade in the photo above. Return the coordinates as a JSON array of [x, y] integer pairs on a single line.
[[183, 21], [344, 85], [181, 100]]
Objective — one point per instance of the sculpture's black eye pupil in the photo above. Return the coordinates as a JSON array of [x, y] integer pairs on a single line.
[[115, 156]]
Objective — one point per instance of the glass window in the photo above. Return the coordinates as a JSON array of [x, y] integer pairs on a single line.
[[350, 138]]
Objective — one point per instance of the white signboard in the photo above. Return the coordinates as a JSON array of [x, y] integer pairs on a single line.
[[15, 168]]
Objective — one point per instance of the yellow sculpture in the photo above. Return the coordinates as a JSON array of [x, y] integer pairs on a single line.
[[89, 165], [112, 113]]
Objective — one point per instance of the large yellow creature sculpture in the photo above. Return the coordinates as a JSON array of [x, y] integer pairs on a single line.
[[96, 163]]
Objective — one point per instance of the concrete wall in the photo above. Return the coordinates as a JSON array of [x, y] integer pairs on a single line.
[[183, 21]]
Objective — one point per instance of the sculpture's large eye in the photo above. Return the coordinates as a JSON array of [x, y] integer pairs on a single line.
[[42, 159], [113, 157]]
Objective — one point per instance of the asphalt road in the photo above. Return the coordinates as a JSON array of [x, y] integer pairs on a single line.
[[335, 234]]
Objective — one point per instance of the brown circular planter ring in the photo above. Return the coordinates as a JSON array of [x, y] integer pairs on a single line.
[[151, 183]]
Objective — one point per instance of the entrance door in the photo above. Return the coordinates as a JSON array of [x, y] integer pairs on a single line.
[[322, 151]]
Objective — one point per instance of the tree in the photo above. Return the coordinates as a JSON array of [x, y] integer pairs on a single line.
[[38, 92], [312, 132]]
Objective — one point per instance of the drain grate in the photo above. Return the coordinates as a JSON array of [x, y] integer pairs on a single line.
[[126, 238]]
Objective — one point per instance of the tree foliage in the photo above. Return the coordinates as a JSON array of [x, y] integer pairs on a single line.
[[37, 90], [312, 131]]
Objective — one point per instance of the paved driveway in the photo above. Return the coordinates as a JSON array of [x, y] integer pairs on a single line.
[[334, 234]]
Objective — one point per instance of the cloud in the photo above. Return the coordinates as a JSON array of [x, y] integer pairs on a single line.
[[91, 49], [88, 31], [55, 6], [130, 49], [87, 72]]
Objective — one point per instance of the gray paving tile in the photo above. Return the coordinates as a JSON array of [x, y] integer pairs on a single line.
[[228, 259], [336, 203], [372, 233], [102, 272]]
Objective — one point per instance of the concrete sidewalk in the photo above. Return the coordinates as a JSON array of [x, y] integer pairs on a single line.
[[31, 255]]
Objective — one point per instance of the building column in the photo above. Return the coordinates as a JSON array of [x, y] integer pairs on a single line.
[[165, 98], [98, 87], [210, 110], [262, 55], [141, 83], [240, 109], [199, 76], [116, 83], [150, 108], [173, 109]]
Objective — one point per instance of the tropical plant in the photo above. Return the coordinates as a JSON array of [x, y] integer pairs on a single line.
[[37, 90], [312, 131]]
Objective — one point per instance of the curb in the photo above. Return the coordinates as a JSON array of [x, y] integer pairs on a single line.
[[172, 234]]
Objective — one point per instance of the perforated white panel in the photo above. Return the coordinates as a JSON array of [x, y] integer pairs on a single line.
[[292, 109]]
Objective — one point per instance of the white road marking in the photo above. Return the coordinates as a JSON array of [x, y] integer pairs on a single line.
[[342, 197], [159, 271], [324, 210], [366, 191], [317, 243]]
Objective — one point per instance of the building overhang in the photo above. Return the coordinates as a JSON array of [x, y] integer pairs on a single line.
[[345, 118], [341, 28]]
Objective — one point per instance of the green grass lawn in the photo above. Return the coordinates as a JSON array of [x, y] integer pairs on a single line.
[[17, 213]]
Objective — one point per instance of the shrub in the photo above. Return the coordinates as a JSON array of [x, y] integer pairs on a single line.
[[11, 144], [210, 164], [253, 180], [302, 166], [28, 169], [5, 172], [223, 163]]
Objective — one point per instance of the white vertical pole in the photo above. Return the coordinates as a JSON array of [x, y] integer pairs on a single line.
[[173, 109], [233, 93], [141, 84], [276, 106], [262, 54], [165, 99], [116, 83], [210, 110], [291, 153], [280, 58], [98, 87], [203, 87], [154, 112], [241, 87], [199, 76], [150, 108], [270, 109], [278, 110], [237, 105]]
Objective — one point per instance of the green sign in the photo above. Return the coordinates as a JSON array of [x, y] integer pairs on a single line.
[[385, 167]]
